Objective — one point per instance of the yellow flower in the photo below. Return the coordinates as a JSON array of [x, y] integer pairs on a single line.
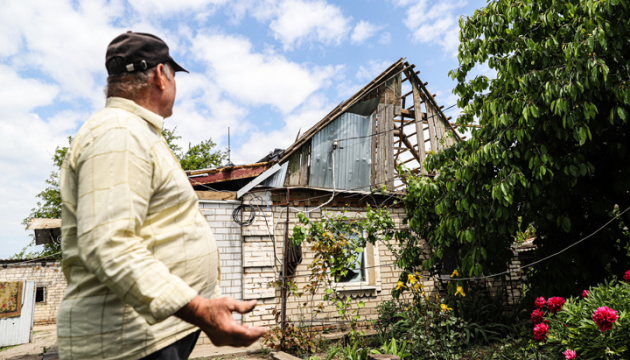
[[460, 291], [418, 275], [445, 307], [417, 286], [411, 279], [455, 273], [400, 285]]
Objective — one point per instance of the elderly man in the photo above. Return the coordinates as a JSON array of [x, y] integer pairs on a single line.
[[140, 259]]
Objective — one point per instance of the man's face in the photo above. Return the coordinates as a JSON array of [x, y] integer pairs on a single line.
[[169, 92]]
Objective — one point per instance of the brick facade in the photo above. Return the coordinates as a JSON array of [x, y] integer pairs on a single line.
[[227, 234], [47, 276]]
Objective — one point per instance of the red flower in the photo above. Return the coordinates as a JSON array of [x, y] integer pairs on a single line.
[[555, 304], [540, 332], [605, 317], [537, 316], [626, 276], [4, 306], [540, 302], [584, 294], [569, 354]]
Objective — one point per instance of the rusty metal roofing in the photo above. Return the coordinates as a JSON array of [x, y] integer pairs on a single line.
[[210, 176]]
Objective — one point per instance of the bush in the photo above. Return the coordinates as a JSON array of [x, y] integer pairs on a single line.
[[595, 325], [430, 327]]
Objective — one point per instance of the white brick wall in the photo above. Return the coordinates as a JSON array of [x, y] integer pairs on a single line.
[[46, 274], [227, 234]]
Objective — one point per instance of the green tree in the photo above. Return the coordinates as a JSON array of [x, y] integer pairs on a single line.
[[200, 156], [49, 206], [552, 151]]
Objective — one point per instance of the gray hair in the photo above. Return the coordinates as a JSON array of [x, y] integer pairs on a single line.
[[132, 85]]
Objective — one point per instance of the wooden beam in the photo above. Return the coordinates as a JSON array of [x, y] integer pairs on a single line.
[[407, 78], [216, 195], [419, 128], [408, 161]]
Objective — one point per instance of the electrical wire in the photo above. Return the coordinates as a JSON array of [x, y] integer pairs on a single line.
[[238, 212]]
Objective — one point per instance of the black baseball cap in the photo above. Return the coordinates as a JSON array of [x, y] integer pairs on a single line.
[[133, 51]]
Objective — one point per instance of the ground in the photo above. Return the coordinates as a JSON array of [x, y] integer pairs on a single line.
[[44, 347]]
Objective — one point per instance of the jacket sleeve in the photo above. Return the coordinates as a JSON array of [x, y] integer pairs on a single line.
[[114, 190]]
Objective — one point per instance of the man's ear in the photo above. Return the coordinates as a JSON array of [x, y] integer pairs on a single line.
[[160, 76]]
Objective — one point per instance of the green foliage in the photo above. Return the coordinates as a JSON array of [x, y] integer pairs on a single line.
[[48, 207], [552, 150], [429, 327], [391, 348], [573, 327], [200, 156], [337, 243], [351, 352], [487, 318]]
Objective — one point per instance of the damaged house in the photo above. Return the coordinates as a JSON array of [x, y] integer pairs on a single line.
[[335, 166]]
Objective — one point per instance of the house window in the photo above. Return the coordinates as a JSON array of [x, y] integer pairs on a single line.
[[365, 273], [40, 295], [358, 272]]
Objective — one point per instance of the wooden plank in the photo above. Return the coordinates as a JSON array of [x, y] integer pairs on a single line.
[[304, 170], [419, 127], [293, 171], [390, 167], [216, 195], [407, 78], [432, 128], [373, 152], [380, 146]]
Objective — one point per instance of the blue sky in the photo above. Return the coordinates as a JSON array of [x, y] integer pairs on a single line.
[[265, 68]]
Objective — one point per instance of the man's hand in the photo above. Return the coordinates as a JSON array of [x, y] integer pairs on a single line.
[[214, 317]]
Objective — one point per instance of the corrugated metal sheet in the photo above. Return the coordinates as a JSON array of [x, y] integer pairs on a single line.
[[277, 179], [353, 160], [18, 330]]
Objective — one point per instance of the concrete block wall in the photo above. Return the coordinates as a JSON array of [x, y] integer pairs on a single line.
[[46, 274]]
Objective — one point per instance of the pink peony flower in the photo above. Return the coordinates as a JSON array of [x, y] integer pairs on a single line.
[[537, 316], [605, 317], [540, 331], [584, 294], [555, 304], [626, 276], [569, 354], [540, 302]]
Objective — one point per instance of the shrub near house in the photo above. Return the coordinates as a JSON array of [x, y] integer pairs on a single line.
[[594, 325]]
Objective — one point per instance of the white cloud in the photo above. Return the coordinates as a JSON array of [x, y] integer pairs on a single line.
[[256, 78], [300, 21], [363, 31], [62, 40], [372, 69], [385, 38], [260, 142], [172, 7], [433, 22]]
